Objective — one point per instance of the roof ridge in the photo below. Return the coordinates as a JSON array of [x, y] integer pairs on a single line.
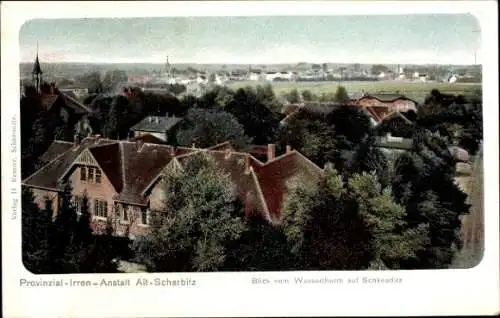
[[75, 101], [260, 193], [122, 164], [219, 144], [63, 141]]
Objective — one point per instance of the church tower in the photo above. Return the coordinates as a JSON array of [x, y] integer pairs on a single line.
[[167, 69], [37, 72]]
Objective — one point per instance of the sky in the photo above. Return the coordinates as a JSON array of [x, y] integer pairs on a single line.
[[405, 39]]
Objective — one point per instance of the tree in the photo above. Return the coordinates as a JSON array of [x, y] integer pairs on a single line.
[[424, 183], [112, 79], [293, 96], [83, 233], [308, 96], [267, 97], [252, 111], [341, 95], [391, 242], [207, 128], [350, 122], [323, 230], [201, 218], [99, 255], [377, 69], [349, 225], [261, 247], [36, 226], [63, 230], [92, 81], [116, 122]]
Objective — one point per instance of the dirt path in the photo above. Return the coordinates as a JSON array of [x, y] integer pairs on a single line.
[[472, 230]]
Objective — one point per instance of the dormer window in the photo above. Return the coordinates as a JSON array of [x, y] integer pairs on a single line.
[[97, 175], [83, 173], [90, 174]]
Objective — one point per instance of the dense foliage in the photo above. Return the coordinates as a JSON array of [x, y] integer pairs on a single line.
[[202, 217], [64, 243], [372, 208]]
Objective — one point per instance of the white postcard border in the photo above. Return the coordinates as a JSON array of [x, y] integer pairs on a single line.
[[471, 291]]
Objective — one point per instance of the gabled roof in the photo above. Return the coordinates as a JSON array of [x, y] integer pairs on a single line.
[[55, 149], [385, 97], [139, 167], [48, 175], [48, 100], [149, 138], [274, 174], [133, 167], [377, 112], [396, 114], [129, 166], [156, 124], [246, 184]]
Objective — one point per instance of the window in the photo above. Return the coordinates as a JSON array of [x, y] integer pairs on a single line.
[[97, 175], [91, 174], [125, 212], [78, 203], [83, 173], [144, 216], [100, 208], [118, 210]]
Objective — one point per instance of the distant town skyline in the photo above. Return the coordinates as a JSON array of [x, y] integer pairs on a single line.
[[391, 39]]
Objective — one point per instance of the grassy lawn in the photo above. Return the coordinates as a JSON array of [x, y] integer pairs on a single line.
[[413, 90]]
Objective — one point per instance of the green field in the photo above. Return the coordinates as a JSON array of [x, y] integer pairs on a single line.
[[412, 90]]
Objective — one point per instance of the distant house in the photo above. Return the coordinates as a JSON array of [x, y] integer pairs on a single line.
[[452, 79], [78, 92], [163, 128], [423, 78], [271, 76], [384, 103], [255, 75], [138, 79], [393, 146]]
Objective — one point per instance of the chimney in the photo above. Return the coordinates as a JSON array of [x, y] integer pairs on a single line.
[[193, 145], [139, 143], [247, 164], [288, 148], [271, 151], [76, 141], [172, 151]]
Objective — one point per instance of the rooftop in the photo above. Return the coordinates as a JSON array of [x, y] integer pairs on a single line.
[[132, 168], [157, 123]]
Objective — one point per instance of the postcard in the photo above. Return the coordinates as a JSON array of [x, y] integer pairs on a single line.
[[249, 158]]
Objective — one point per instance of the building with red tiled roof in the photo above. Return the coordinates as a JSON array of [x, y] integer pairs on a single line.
[[380, 105], [122, 179]]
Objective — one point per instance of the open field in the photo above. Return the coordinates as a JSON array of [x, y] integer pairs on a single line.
[[472, 231], [414, 90]]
